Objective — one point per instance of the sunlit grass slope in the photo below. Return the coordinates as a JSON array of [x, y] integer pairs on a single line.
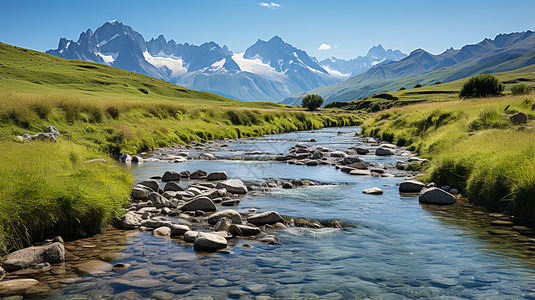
[[473, 146], [433, 93]]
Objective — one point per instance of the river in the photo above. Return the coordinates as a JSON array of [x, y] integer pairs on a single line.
[[398, 248]]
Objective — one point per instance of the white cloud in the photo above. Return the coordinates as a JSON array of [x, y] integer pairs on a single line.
[[270, 5], [324, 46]]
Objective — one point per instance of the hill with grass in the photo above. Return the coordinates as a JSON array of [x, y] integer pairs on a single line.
[[506, 52], [473, 146], [437, 92], [101, 111]]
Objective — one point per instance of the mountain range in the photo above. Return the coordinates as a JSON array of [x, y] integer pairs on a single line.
[[267, 71], [505, 52]]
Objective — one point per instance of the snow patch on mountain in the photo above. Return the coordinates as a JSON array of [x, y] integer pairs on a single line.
[[336, 73], [256, 66], [109, 58], [175, 64]]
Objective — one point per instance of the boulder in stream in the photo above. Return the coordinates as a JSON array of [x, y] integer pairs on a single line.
[[436, 196], [32, 256]]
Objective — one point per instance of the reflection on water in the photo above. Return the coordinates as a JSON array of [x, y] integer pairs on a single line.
[[398, 248]]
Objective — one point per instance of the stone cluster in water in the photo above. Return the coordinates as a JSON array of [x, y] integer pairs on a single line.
[[199, 210]]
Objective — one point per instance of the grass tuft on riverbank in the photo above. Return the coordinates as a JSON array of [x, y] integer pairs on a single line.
[[47, 189], [473, 146], [101, 113]]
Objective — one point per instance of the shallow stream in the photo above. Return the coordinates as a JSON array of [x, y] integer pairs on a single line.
[[397, 249]]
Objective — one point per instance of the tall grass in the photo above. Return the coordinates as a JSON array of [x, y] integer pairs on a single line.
[[473, 147], [49, 189]]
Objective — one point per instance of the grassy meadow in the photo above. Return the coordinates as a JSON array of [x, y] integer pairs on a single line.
[[101, 113], [472, 146]]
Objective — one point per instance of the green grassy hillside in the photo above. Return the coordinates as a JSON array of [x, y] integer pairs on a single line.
[[472, 146], [100, 112], [433, 93], [367, 84]]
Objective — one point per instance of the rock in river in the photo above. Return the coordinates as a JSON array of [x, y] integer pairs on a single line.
[[230, 214], [199, 174], [382, 151], [130, 220], [243, 230], [32, 256], [234, 186], [163, 231], [153, 184], [140, 193], [173, 187], [209, 242], [269, 217], [436, 196], [16, 286], [93, 267], [411, 186], [201, 203], [373, 191], [171, 176], [217, 176]]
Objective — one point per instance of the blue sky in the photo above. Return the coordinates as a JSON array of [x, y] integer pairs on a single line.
[[346, 28]]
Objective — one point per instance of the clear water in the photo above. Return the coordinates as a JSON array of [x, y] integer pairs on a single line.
[[398, 248]]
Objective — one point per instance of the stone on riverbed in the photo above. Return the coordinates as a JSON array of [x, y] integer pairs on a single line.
[[32, 256], [130, 220], [209, 242], [287, 185], [383, 151], [373, 191], [362, 151], [140, 193], [207, 156], [190, 236], [173, 187], [230, 214], [16, 286], [234, 186], [411, 186], [201, 203], [159, 201], [93, 267], [178, 229], [269, 217], [217, 176], [351, 159], [436, 196], [199, 174], [358, 172], [338, 154], [243, 230], [171, 176], [153, 184], [223, 224], [163, 231], [232, 202], [2, 273]]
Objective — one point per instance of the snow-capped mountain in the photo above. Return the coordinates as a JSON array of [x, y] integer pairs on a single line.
[[266, 71], [353, 67]]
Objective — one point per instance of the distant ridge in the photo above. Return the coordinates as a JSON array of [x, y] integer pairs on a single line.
[[267, 71], [506, 52]]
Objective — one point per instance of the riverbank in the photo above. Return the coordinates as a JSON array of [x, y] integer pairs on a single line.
[[475, 145]]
